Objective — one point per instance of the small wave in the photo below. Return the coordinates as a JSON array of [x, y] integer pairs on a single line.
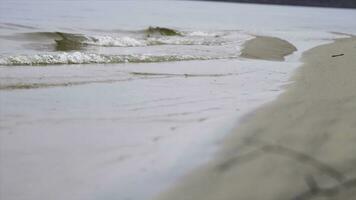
[[71, 42], [161, 31], [82, 48], [184, 41], [77, 41], [203, 34], [92, 58], [108, 41], [115, 41], [148, 37]]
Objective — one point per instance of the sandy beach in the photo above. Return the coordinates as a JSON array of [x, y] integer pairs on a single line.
[[299, 147]]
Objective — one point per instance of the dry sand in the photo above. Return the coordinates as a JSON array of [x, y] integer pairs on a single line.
[[302, 146], [267, 48]]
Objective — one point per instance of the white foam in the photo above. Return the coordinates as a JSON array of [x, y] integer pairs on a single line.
[[202, 33], [60, 58], [115, 41], [184, 41], [188, 38], [89, 58]]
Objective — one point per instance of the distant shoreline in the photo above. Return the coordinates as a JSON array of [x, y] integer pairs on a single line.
[[333, 4]]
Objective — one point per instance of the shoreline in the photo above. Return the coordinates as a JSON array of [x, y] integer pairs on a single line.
[[112, 136], [297, 147]]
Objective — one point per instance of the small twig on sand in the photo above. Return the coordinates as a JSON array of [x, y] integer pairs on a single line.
[[337, 55]]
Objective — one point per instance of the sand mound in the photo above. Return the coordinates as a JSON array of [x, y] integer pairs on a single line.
[[267, 48]]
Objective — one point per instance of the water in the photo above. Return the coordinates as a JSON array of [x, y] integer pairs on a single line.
[[154, 86], [33, 40], [39, 32], [154, 44]]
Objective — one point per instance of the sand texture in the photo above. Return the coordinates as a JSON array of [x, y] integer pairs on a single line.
[[302, 146], [267, 48]]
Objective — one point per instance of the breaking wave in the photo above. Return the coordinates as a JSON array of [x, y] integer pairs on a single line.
[[152, 31], [147, 37], [91, 58], [70, 42], [154, 44], [75, 42]]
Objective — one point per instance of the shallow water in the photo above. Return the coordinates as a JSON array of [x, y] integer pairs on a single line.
[[129, 138]]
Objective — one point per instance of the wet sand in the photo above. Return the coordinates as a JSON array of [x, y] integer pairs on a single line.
[[301, 146], [267, 48]]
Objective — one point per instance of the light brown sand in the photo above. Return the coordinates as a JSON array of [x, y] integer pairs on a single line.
[[267, 48], [302, 146]]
